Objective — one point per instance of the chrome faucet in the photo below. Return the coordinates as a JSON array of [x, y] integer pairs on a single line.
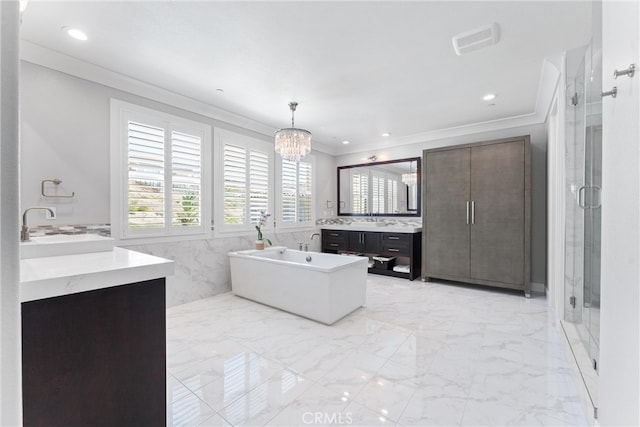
[[24, 232], [313, 235]]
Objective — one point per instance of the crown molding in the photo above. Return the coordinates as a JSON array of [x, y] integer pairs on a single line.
[[549, 78], [48, 58]]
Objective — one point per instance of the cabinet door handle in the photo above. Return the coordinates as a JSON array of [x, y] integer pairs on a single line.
[[467, 212], [473, 212], [363, 238], [334, 234], [394, 238], [333, 244], [393, 250]]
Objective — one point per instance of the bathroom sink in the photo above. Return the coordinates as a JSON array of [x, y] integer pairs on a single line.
[[364, 224], [64, 244]]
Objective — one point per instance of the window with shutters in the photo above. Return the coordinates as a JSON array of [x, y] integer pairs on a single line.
[[244, 179], [360, 193], [392, 196], [159, 174], [295, 191], [377, 194]]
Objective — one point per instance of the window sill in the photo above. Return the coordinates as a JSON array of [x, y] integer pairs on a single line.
[[152, 240]]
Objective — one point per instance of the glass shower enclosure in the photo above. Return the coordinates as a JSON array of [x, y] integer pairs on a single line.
[[583, 190]]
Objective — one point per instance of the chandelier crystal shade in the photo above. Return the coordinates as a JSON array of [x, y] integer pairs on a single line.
[[410, 178], [293, 143]]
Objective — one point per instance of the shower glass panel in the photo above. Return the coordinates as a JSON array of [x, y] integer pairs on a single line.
[[583, 197]]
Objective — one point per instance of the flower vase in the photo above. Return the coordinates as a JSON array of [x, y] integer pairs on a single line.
[[259, 245]]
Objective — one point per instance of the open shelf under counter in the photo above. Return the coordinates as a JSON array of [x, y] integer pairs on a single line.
[[389, 241]]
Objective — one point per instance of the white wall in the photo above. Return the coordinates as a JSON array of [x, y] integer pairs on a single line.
[[538, 135], [10, 343], [619, 389], [65, 127]]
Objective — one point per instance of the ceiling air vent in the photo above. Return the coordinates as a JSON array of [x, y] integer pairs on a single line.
[[475, 40]]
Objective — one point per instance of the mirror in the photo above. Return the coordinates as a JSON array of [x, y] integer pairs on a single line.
[[390, 188]]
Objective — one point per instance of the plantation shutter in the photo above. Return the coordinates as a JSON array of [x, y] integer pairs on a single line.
[[289, 190], [145, 176], [392, 195], [186, 180], [360, 191], [259, 185], [159, 180], [377, 194], [305, 196], [297, 192], [235, 184]]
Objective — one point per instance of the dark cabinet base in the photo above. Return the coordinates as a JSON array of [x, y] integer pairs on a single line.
[[96, 358], [371, 243]]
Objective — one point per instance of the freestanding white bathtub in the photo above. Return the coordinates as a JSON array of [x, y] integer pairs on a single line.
[[318, 286]]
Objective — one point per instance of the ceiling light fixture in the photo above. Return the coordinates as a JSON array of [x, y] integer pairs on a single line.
[[292, 143], [372, 158], [410, 178], [75, 33], [345, 142], [489, 97], [386, 134]]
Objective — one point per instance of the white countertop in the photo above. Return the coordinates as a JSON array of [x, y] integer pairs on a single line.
[[54, 276], [354, 226]]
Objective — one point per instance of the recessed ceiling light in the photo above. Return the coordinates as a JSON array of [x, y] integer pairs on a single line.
[[489, 97], [75, 33], [345, 142], [386, 134]]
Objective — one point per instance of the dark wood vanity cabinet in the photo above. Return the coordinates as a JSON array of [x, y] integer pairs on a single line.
[[406, 246], [96, 358], [363, 241], [334, 241]]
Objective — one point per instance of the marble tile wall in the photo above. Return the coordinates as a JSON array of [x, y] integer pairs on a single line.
[[202, 266]]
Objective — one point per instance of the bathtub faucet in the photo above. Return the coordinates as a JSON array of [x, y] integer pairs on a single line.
[[314, 235]]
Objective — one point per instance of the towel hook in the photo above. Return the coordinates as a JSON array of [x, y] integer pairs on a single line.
[[629, 71], [612, 93], [55, 181]]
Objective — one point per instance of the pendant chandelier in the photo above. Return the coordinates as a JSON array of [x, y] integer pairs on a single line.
[[410, 178], [292, 143]]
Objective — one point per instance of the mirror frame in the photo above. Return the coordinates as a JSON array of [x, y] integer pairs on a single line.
[[415, 213]]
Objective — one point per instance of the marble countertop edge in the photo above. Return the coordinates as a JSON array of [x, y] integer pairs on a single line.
[[49, 277]]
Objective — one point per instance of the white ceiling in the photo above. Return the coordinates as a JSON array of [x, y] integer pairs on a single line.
[[357, 69]]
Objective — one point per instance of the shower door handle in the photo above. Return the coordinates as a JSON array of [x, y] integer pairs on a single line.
[[599, 192], [581, 197]]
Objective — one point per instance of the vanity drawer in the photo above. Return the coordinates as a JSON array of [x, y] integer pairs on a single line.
[[334, 240], [333, 234], [396, 248], [396, 238]]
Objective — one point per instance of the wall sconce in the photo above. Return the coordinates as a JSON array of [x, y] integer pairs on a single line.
[[372, 158]]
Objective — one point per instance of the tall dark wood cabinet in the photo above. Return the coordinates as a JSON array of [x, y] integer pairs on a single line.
[[476, 214]]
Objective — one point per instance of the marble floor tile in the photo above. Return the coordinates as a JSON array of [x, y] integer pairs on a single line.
[[260, 404], [386, 397], [417, 354], [188, 410], [318, 406]]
